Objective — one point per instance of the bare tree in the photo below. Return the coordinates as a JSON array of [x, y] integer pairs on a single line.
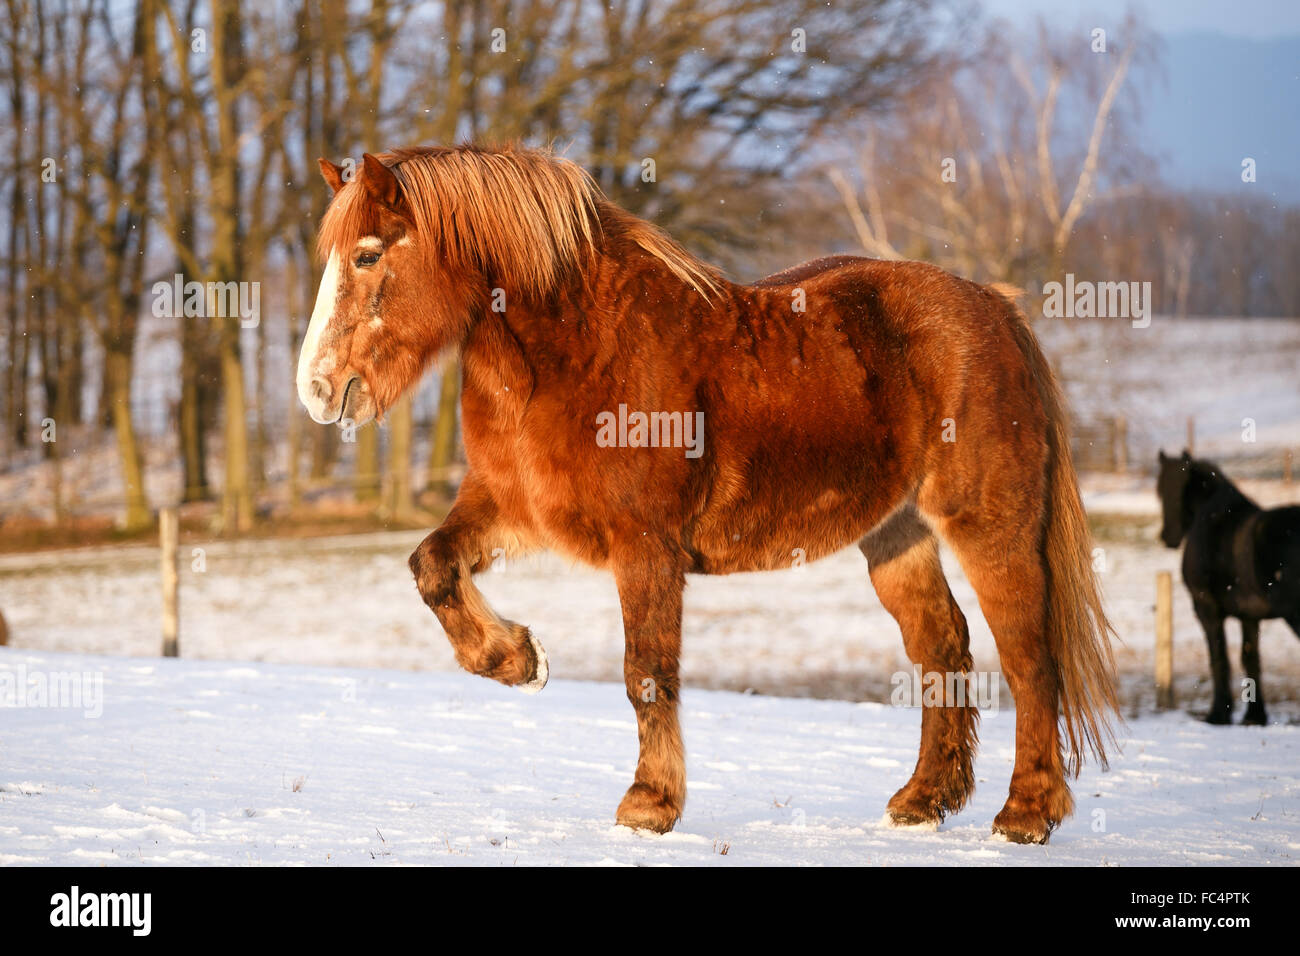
[[979, 173], [116, 201]]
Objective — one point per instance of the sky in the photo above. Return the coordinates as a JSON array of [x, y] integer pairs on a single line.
[[1255, 19], [1228, 86]]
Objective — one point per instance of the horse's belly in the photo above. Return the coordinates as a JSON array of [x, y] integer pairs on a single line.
[[752, 537]]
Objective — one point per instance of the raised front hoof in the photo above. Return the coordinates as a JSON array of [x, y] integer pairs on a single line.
[[515, 658], [646, 809], [541, 671], [915, 806]]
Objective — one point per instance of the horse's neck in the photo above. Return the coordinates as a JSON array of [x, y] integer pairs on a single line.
[[1216, 491], [608, 301], [496, 366]]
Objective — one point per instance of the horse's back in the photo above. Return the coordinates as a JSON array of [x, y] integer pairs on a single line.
[[1278, 558], [843, 388], [808, 270], [1246, 561]]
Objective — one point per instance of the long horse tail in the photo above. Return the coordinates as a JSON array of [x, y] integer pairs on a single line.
[[1078, 630]]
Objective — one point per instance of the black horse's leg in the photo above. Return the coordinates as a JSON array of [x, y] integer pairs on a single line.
[[1250, 664], [1211, 619]]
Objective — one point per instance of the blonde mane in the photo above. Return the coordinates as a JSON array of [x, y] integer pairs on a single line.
[[527, 214]]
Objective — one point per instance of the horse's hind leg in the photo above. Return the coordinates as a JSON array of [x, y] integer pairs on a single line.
[[1250, 664], [1004, 563], [903, 558], [483, 642]]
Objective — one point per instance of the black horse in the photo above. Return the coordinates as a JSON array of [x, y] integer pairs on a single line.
[[1241, 561]]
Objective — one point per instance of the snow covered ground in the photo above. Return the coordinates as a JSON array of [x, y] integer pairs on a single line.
[[1216, 371], [350, 601], [201, 762]]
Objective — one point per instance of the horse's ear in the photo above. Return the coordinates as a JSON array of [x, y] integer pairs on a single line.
[[1187, 455], [1163, 458], [333, 174], [379, 181]]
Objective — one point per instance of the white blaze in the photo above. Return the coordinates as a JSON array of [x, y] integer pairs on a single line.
[[326, 299]]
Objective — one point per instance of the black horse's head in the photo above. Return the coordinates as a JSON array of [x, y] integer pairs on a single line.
[[1171, 486]]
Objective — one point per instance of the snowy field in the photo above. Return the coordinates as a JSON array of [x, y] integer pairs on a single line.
[[195, 762], [815, 631], [1217, 371]]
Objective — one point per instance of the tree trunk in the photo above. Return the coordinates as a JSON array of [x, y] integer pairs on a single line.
[[400, 504], [227, 67], [325, 446], [18, 325], [237, 495], [368, 464], [117, 371], [19, 185], [193, 426]]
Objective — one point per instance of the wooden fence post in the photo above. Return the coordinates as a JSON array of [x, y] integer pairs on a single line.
[[169, 533], [1164, 640], [1120, 452], [1191, 436]]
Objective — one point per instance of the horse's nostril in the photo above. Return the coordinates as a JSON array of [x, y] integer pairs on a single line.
[[321, 388]]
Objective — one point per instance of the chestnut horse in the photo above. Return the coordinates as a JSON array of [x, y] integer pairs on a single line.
[[625, 405]]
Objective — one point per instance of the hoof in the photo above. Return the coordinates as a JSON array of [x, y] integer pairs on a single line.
[[644, 809], [1221, 718], [914, 808], [541, 671], [509, 655], [1017, 823], [1025, 837], [1254, 718], [1030, 835], [905, 821]]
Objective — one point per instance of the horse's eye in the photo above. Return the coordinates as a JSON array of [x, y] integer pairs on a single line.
[[367, 258]]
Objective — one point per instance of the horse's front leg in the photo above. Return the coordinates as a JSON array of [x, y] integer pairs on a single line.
[[443, 565], [1255, 713], [650, 586], [1211, 619]]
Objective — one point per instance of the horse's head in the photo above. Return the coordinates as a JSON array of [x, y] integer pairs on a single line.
[[385, 307], [410, 243], [1171, 486]]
